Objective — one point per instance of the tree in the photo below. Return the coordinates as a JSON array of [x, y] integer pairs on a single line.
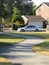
[[16, 14], [2, 11], [17, 20], [33, 9], [12, 8], [26, 9], [8, 6]]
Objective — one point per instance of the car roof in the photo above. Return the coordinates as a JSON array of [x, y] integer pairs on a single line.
[[31, 25]]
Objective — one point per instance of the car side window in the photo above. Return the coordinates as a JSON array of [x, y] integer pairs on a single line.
[[28, 26], [33, 26]]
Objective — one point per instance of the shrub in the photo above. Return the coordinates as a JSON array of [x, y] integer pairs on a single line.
[[18, 24]]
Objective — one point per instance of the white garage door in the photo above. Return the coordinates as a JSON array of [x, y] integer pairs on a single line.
[[36, 23]]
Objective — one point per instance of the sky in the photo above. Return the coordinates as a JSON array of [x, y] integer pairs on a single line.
[[37, 2]]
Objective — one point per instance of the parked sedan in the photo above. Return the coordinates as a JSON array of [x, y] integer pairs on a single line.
[[30, 28]]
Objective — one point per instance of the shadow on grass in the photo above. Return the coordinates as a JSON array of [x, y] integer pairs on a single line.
[[5, 63], [41, 47], [8, 63], [2, 44], [44, 45], [8, 36], [41, 35]]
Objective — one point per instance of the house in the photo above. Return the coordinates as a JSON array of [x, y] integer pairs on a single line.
[[41, 17], [34, 20], [43, 10]]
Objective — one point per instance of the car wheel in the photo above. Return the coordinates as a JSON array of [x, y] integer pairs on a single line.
[[36, 30], [22, 30]]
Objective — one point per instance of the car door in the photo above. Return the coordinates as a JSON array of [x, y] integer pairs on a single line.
[[33, 28]]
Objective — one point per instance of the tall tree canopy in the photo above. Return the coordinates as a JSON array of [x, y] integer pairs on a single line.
[[2, 10], [26, 9], [6, 7], [16, 14]]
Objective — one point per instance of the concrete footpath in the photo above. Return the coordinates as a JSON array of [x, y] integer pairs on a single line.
[[22, 54]]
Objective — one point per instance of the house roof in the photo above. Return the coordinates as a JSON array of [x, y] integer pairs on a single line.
[[47, 3], [35, 18]]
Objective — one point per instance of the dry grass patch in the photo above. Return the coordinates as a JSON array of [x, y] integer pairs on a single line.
[[11, 40], [3, 59], [46, 53]]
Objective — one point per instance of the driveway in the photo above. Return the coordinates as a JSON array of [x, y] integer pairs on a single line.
[[22, 54]]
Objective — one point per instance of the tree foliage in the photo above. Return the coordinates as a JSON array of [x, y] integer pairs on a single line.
[[16, 14], [6, 8], [26, 9], [2, 10], [13, 9]]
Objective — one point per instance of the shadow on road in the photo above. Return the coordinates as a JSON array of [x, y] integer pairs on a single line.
[[8, 52]]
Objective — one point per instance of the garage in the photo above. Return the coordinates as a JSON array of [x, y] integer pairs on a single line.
[[34, 20], [36, 23]]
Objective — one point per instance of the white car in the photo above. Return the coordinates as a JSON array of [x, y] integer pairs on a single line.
[[30, 28]]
